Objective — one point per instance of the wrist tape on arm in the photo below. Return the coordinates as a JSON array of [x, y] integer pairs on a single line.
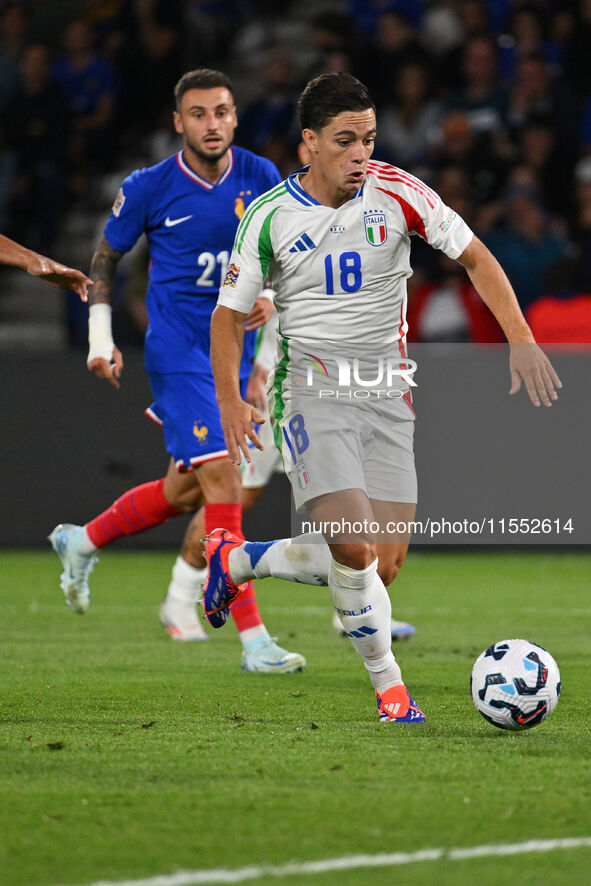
[[100, 336]]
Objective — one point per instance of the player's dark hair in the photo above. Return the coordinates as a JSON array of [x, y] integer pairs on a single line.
[[329, 95], [202, 78]]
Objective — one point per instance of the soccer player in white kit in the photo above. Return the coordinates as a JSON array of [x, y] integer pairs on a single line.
[[334, 241]]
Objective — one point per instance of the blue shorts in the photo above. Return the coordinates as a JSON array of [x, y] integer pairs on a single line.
[[186, 408]]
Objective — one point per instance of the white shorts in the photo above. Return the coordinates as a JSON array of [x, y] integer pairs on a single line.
[[329, 446], [264, 464]]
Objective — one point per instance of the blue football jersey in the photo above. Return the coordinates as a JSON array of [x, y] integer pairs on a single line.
[[190, 225]]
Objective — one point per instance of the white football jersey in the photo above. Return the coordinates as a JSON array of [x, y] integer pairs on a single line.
[[339, 274], [266, 345]]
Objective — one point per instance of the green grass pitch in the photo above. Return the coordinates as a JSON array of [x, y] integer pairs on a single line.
[[124, 755]]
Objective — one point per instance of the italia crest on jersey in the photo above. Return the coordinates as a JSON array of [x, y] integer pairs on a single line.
[[375, 228]]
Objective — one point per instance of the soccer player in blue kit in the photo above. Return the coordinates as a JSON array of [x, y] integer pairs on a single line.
[[189, 206]]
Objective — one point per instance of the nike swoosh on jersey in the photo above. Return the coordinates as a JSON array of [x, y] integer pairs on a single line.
[[171, 222]]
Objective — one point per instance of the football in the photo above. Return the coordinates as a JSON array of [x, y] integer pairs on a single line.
[[515, 684]]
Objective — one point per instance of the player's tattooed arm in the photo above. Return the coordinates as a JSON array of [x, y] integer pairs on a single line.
[[103, 271], [104, 357]]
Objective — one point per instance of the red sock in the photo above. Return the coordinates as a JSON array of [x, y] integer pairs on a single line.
[[224, 516], [245, 610], [135, 511]]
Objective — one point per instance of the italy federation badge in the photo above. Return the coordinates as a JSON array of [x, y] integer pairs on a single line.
[[375, 228], [302, 474]]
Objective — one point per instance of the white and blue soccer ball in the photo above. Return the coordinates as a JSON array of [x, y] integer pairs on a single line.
[[515, 684]]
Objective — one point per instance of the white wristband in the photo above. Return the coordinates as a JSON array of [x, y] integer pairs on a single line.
[[268, 293], [100, 336]]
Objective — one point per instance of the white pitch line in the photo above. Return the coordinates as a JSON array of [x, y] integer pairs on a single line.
[[348, 862]]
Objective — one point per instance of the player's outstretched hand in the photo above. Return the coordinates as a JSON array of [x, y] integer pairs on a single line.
[[262, 310], [238, 419], [111, 371], [59, 275], [529, 364]]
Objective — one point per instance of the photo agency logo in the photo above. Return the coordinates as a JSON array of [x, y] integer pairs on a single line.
[[362, 376]]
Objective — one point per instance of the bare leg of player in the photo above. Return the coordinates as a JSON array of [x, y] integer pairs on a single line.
[[217, 480], [359, 595], [309, 556]]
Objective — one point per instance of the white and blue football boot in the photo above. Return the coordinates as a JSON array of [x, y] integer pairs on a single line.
[[181, 621], [66, 542], [264, 656]]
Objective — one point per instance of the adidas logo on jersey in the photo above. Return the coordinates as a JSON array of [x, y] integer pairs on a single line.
[[303, 244]]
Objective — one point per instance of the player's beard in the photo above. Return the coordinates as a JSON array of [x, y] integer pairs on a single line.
[[209, 157]]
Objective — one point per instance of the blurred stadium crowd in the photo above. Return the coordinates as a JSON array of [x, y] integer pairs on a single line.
[[489, 101]]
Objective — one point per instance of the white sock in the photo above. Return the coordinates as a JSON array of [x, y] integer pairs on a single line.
[[363, 606], [187, 582], [86, 546], [250, 634], [305, 558]]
